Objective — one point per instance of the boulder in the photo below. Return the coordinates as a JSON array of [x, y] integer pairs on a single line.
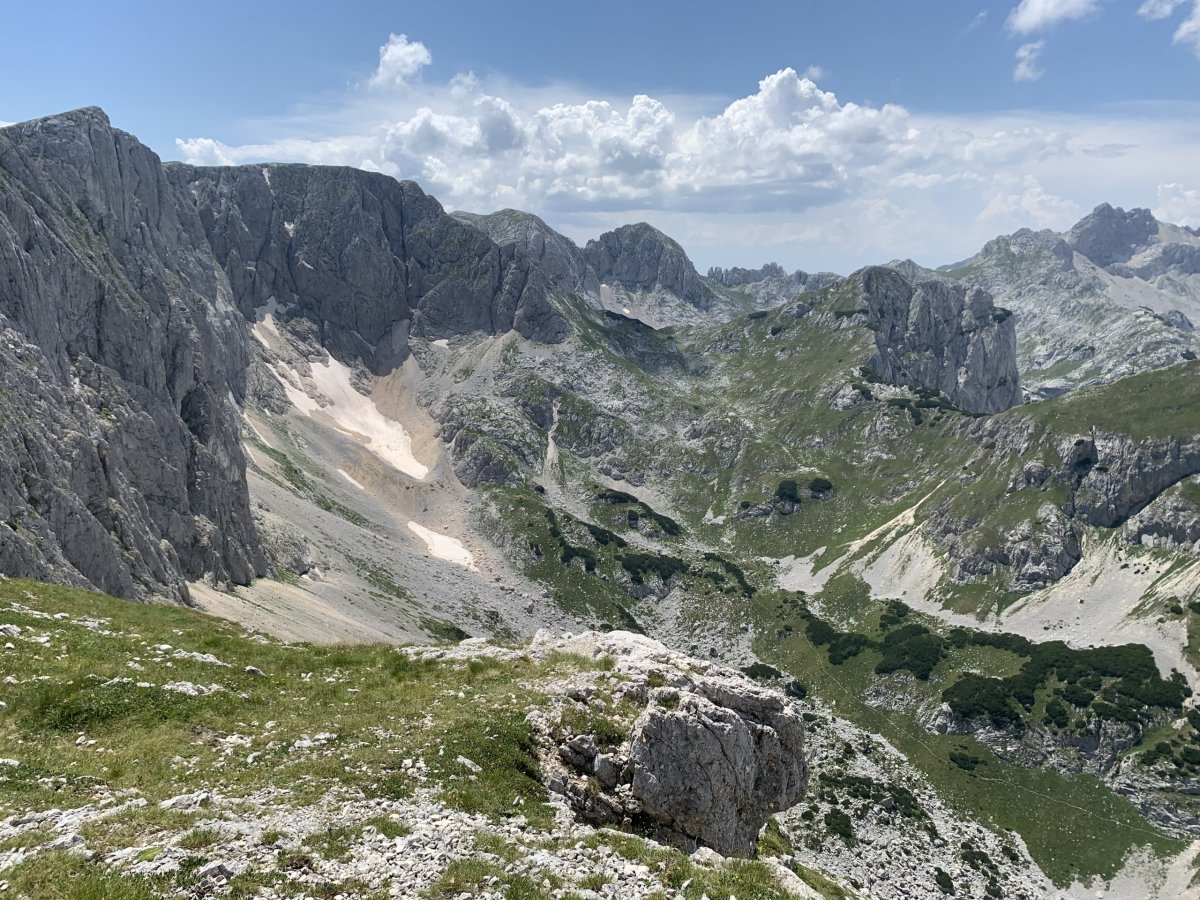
[[708, 759]]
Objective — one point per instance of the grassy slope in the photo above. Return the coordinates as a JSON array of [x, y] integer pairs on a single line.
[[1074, 827], [156, 744], [768, 390]]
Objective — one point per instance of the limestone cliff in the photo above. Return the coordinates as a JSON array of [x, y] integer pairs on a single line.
[[938, 335], [123, 366]]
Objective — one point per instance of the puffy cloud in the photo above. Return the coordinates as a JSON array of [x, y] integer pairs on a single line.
[[1032, 16], [1178, 205], [1153, 10], [1033, 204], [1027, 61], [789, 165], [399, 60]]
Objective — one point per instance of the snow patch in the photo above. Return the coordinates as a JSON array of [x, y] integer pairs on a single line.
[[350, 478], [353, 414], [800, 573], [290, 228], [264, 327], [444, 547], [441, 343], [258, 434]]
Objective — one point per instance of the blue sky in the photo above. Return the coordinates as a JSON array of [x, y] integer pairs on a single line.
[[822, 134]]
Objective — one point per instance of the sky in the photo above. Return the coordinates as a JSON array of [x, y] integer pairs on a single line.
[[822, 135]]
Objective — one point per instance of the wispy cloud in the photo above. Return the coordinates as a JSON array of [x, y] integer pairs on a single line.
[[1178, 204], [1153, 10], [1032, 16], [977, 22], [1027, 61], [1188, 31]]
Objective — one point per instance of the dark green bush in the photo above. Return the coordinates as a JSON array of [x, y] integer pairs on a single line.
[[968, 762], [839, 823], [788, 491], [913, 647], [820, 485]]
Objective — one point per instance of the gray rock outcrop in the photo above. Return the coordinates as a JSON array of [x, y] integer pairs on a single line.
[[770, 284], [559, 256], [708, 759], [127, 288], [1172, 522], [1109, 298], [641, 258], [366, 258], [124, 363], [1112, 235], [1109, 481], [938, 335]]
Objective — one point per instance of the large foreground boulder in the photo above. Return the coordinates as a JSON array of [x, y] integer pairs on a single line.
[[707, 759]]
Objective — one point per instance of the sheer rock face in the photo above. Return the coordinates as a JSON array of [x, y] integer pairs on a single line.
[[1120, 476], [642, 258], [1113, 296], [124, 362], [1111, 481], [713, 767], [941, 336], [369, 259], [559, 256], [125, 293]]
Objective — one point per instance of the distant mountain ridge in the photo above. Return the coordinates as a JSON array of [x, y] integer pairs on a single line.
[[1116, 294]]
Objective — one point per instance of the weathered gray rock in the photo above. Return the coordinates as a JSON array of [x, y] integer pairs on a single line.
[[366, 258], [559, 256], [940, 336], [709, 758], [770, 284], [123, 365], [1110, 298], [1111, 235], [1118, 477], [715, 766], [1170, 522], [641, 258]]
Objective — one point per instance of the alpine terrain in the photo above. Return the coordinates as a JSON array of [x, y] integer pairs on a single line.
[[467, 561]]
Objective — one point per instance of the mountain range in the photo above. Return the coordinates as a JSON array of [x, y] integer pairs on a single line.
[[953, 512]]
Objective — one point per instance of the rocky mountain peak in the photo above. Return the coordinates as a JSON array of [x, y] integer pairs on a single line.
[[124, 363], [559, 256], [1111, 235], [641, 258]]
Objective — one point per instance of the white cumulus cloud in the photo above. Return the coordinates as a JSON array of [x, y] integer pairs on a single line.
[[1178, 205], [399, 60], [1027, 61], [1032, 16], [1032, 204], [790, 169], [1188, 31]]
